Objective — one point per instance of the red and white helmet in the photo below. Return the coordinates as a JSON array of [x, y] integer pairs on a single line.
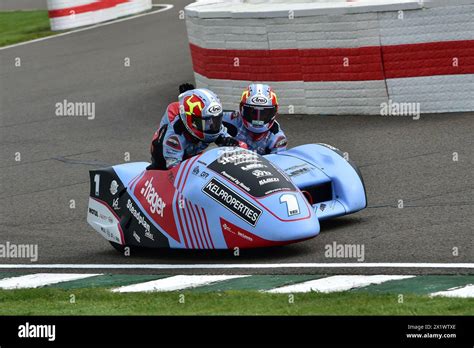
[[201, 112], [258, 107]]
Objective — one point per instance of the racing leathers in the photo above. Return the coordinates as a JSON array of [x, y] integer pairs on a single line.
[[172, 143], [271, 141]]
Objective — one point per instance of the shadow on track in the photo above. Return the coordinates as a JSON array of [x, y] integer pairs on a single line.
[[276, 253]]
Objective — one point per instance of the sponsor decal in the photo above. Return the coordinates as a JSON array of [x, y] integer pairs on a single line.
[[171, 162], [232, 201], [259, 99], [113, 187], [253, 166], [136, 214], [174, 143], [196, 170], [238, 157], [242, 185], [109, 234], [281, 142], [106, 218], [230, 177], [298, 170], [136, 236], [251, 172], [237, 233], [269, 192], [267, 181], [93, 212], [157, 205], [261, 173], [236, 181], [155, 197], [149, 235], [115, 202], [258, 123], [215, 109], [291, 202], [236, 236]]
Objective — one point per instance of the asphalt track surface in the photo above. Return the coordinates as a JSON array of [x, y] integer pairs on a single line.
[[9, 5], [400, 158]]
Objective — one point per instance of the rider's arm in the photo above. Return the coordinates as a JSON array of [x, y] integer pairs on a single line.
[[278, 141], [173, 150], [229, 131], [230, 121], [224, 139]]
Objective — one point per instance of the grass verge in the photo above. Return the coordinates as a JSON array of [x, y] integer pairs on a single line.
[[19, 26], [47, 301]]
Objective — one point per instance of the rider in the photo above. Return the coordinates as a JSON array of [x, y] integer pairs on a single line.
[[255, 124], [188, 127]]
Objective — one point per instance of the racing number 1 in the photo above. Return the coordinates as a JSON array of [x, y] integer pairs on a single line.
[[291, 204], [97, 182]]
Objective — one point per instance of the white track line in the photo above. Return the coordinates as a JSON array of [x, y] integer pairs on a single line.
[[179, 282], [239, 266], [40, 279], [166, 8], [465, 291], [336, 283]]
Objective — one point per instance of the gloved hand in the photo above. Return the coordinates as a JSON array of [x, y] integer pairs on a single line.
[[185, 87], [227, 141], [230, 141]]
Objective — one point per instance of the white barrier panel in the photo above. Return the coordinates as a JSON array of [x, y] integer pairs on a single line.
[[338, 57], [67, 14]]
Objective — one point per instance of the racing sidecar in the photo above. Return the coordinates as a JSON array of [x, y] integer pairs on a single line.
[[225, 198]]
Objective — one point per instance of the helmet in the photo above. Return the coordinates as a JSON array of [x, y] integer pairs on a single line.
[[258, 107], [201, 112]]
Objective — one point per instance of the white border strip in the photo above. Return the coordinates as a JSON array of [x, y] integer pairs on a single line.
[[464, 292], [337, 283], [179, 282], [166, 8], [40, 279], [239, 266]]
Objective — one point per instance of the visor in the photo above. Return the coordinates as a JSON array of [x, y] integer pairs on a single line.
[[258, 115], [207, 125]]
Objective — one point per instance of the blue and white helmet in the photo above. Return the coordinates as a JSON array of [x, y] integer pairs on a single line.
[[258, 107]]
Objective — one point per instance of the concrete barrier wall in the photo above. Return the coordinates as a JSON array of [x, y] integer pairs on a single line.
[[337, 58], [67, 14]]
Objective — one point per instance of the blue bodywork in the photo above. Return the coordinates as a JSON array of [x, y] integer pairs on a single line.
[[226, 198]]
